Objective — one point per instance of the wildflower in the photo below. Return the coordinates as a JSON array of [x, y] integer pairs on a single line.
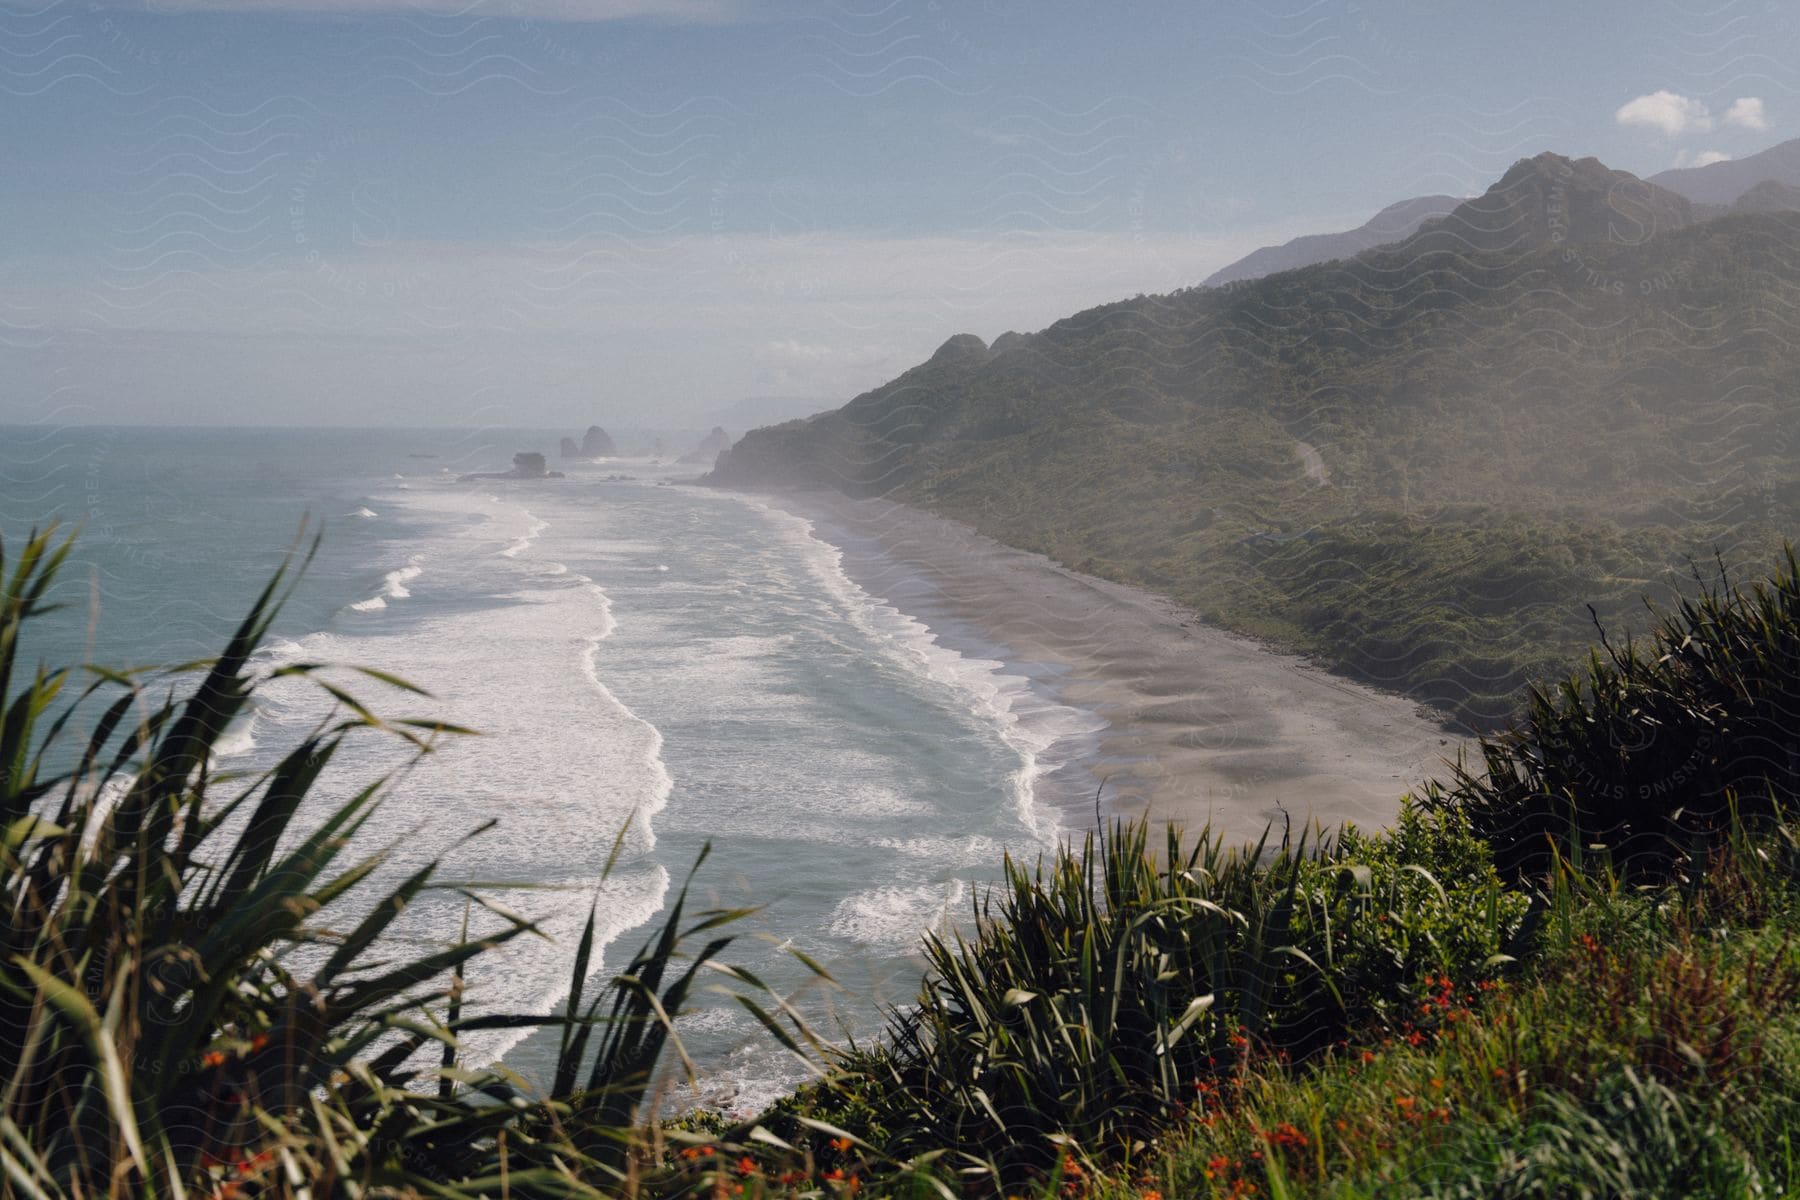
[[1284, 1134], [842, 1144], [746, 1165], [259, 1041], [1151, 1194], [213, 1058], [835, 1175]]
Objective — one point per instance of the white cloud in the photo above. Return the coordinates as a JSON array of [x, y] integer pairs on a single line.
[[1667, 112], [1707, 158], [1747, 112]]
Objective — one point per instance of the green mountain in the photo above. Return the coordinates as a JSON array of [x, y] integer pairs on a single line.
[[1423, 464]]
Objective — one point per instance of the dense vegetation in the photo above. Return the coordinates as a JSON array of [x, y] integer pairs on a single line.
[[1573, 974], [1421, 464]]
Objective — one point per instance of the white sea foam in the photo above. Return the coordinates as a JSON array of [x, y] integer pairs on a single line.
[[393, 586], [239, 739], [564, 767], [363, 514], [524, 541], [1033, 726], [897, 917]]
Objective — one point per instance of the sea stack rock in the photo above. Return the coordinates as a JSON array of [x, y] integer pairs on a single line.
[[710, 446], [569, 449], [527, 464], [596, 444]]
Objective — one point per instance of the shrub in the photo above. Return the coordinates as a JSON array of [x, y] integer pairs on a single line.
[[1647, 752], [1109, 989]]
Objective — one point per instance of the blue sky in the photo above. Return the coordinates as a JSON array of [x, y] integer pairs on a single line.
[[639, 211]]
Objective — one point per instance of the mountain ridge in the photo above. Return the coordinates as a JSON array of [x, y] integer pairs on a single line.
[[1542, 401], [1391, 224]]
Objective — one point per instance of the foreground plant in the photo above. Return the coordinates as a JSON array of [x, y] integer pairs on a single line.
[[1652, 747], [155, 1034]]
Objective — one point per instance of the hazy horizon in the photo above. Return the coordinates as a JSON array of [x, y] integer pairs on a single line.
[[295, 213]]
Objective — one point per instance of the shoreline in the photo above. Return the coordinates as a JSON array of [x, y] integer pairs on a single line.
[[1202, 726]]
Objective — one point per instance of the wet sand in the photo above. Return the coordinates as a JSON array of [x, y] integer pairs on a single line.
[[1203, 726]]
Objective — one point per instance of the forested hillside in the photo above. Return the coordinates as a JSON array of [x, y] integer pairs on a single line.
[[1422, 464]]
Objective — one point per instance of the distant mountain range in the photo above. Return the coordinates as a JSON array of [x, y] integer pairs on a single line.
[[1722, 183], [1421, 463], [1389, 225]]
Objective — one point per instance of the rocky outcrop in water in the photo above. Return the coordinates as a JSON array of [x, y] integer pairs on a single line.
[[568, 448], [527, 464], [596, 443]]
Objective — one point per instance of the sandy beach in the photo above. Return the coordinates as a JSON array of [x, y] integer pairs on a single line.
[[1202, 725]]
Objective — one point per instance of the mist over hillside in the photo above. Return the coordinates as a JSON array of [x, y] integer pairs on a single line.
[[1392, 223], [1423, 464]]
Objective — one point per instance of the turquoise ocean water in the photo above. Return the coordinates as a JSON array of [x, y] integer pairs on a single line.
[[693, 662]]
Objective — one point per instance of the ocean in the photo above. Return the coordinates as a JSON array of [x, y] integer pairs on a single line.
[[683, 664]]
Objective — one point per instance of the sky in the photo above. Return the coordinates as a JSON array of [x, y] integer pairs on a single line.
[[638, 212]]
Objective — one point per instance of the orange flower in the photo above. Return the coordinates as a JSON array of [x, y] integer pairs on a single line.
[[842, 1144], [747, 1165], [259, 1041], [213, 1058]]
